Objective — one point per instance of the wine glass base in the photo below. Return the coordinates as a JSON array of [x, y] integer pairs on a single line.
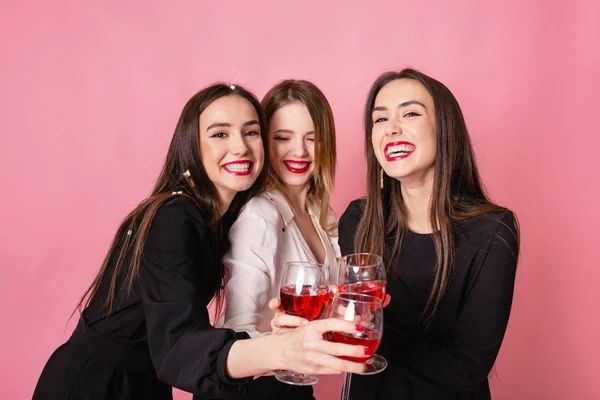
[[375, 365], [296, 378]]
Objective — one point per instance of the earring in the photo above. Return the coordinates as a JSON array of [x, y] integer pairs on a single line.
[[188, 178], [381, 179]]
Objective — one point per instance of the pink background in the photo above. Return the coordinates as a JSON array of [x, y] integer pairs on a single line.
[[90, 93]]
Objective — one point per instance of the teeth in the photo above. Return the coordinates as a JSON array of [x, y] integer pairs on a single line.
[[296, 165], [238, 167], [401, 149]]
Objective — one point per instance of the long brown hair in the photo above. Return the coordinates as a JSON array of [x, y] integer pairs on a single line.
[[458, 193], [291, 91], [125, 252]]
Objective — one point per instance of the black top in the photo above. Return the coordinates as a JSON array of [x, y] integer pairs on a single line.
[[452, 358], [164, 320]]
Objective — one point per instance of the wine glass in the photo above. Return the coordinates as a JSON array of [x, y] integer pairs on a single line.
[[304, 292], [366, 311], [362, 273]]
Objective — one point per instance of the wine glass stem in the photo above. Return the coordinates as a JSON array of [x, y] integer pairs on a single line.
[[346, 387]]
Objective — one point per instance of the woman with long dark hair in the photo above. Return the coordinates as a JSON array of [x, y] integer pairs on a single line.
[[451, 253], [145, 325]]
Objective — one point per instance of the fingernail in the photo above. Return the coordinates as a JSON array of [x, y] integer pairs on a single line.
[[368, 351], [360, 328]]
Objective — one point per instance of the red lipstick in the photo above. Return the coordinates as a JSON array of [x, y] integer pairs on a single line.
[[239, 168], [293, 166], [398, 150]]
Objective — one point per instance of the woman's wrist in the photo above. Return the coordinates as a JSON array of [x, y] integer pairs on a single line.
[[250, 357], [272, 351]]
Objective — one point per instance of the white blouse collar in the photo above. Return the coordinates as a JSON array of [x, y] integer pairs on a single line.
[[284, 208]]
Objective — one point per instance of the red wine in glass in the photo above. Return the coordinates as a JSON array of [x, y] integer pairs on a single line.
[[366, 311], [370, 288], [308, 303], [304, 292], [369, 338], [362, 273]]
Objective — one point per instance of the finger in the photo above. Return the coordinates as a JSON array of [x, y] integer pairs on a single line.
[[281, 331], [274, 322], [285, 320], [275, 304], [339, 349], [387, 300], [319, 370], [335, 325], [323, 363]]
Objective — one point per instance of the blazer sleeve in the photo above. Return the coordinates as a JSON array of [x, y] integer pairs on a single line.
[[187, 352]]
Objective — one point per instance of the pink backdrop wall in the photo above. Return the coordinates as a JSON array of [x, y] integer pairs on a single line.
[[90, 93]]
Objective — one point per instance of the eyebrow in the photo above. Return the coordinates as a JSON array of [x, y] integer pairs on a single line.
[[292, 132], [228, 125], [283, 131], [405, 104]]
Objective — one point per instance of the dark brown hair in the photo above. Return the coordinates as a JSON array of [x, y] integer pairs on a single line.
[[291, 91], [183, 155], [458, 193]]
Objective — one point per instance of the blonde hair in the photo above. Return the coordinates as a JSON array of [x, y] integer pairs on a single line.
[[291, 91]]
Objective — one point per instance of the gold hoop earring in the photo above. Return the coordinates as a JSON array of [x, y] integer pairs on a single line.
[[381, 179]]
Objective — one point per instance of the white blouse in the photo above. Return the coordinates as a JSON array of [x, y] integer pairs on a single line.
[[263, 239]]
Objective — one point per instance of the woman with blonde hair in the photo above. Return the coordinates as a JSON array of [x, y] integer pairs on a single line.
[[290, 221]]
